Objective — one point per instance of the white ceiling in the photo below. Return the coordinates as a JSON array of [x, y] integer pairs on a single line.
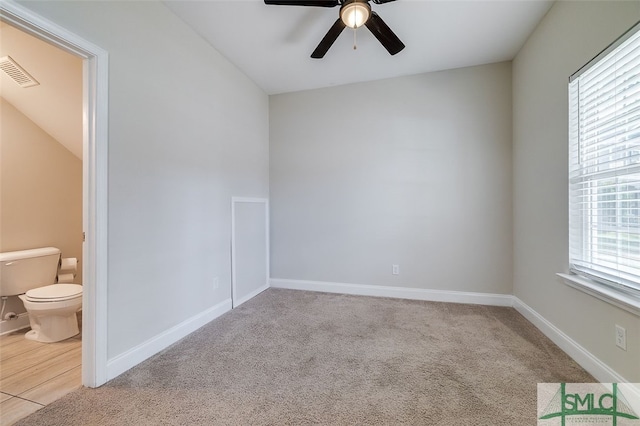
[[272, 44], [56, 104]]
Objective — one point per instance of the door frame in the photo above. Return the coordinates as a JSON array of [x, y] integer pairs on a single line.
[[94, 180], [234, 200]]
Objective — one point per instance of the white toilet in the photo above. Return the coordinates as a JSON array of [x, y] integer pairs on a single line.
[[30, 275]]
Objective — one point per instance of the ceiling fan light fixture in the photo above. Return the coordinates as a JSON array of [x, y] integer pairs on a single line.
[[355, 14]]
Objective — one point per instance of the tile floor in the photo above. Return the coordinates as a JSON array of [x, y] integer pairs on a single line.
[[34, 374]]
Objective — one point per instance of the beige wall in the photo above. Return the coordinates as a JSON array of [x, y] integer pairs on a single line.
[[55, 104], [40, 190], [414, 171], [568, 37]]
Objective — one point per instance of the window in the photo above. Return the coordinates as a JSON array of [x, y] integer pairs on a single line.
[[604, 168]]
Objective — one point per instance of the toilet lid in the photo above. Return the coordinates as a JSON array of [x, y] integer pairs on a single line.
[[54, 292]]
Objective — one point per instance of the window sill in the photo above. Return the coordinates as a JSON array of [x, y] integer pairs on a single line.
[[616, 298]]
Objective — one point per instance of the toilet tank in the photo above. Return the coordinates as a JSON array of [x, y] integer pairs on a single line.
[[26, 269]]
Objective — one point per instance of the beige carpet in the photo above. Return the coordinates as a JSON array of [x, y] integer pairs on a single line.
[[292, 357]]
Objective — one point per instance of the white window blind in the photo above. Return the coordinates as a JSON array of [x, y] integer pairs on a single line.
[[604, 166]]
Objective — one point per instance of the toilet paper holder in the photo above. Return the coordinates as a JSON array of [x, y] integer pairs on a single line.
[[68, 265], [67, 269]]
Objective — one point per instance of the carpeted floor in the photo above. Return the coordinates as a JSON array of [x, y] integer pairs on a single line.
[[292, 357]]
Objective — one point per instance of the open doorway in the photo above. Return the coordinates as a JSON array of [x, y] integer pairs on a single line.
[[41, 186], [94, 177]]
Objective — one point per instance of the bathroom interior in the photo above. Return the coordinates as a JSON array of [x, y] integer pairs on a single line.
[[41, 189]]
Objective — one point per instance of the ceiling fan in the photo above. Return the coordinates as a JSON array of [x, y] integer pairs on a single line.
[[353, 14]]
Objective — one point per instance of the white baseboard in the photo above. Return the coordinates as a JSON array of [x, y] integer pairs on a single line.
[[136, 355], [250, 295], [489, 299], [601, 371], [598, 369], [19, 323]]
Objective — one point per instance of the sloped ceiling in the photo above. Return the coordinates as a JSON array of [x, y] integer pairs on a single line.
[[272, 44], [55, 105]]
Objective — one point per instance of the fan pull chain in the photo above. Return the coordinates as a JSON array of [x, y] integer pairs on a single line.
[[355, 38]]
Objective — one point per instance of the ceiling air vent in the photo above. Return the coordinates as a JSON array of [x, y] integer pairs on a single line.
[[16, 72]]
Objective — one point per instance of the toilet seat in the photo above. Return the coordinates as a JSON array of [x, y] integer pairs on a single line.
[[54, 293]]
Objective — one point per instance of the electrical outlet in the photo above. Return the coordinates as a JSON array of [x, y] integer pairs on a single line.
[[621, 337], [216, 283], [395, 269]]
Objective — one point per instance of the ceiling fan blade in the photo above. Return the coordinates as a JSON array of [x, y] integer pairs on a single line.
[[328, 39], [383, 33], [382, 1], [317, 3]]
